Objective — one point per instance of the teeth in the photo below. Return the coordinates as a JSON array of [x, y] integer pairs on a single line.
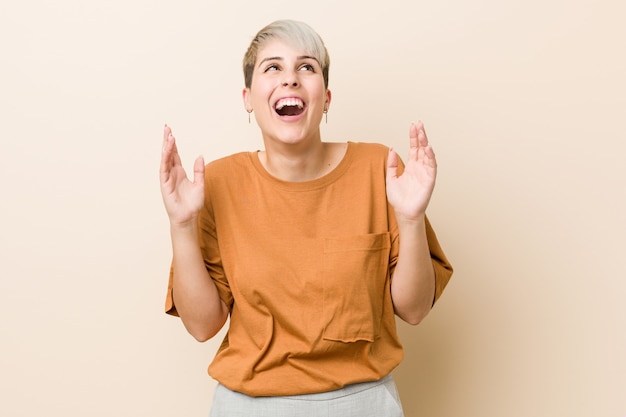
[[289, 102]]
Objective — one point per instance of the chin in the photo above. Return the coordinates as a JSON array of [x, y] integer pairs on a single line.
[[291, 135]]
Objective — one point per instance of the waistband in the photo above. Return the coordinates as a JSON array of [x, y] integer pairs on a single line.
[[341, 392]]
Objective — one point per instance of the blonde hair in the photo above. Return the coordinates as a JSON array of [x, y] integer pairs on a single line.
[[297, 34]]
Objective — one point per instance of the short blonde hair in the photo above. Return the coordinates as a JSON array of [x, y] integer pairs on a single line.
[[297, 34]]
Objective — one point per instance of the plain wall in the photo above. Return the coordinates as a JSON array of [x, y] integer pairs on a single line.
[[524, 103]]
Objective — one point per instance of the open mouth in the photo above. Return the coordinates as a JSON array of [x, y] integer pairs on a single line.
[[289, 106]]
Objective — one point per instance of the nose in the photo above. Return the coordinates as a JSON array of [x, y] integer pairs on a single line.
[[290, 79]]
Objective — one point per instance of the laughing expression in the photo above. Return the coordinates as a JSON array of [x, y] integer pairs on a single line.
[[287, 94]]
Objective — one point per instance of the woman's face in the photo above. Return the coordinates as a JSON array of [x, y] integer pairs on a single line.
[[287, 94]]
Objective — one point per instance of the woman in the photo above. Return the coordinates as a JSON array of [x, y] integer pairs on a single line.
[[310, 247]]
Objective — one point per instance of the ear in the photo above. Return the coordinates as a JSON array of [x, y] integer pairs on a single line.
[[329, 97], [246, 99]]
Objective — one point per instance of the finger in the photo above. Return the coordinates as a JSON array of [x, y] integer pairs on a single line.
[[421, 135], [427, 159], [392, 164], [198, 171], [166, 133], [175, 155], [413, 136], [414, 143], [430, 159], [166, 154], [427, 149]]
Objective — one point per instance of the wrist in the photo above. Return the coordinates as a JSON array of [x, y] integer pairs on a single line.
[[408, 222], [182, 228]]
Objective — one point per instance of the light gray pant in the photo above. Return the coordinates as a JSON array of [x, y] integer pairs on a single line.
[[368, 399]]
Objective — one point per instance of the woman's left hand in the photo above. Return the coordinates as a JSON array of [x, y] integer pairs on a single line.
[[410, 192]]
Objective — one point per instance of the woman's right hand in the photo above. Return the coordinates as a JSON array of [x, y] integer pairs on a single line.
[[183, 198]]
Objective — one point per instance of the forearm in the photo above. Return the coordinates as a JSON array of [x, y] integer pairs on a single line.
[[413, 283], [195, 295]]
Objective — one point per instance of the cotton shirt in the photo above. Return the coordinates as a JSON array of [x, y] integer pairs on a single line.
[[305, 269]]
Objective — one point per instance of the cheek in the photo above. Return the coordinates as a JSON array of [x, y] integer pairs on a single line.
[[260, 92], [317, 89]]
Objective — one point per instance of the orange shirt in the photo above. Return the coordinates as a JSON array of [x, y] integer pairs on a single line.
[[305, 268]]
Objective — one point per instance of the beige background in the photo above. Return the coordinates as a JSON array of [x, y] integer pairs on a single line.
[[524, 102]]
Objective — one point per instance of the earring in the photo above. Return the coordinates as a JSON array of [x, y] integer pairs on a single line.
[[326, 115], [249, 111]]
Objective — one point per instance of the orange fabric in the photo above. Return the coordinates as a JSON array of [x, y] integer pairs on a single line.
[[305, 269]]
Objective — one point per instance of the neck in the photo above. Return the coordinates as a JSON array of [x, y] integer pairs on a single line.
[[297, 162]]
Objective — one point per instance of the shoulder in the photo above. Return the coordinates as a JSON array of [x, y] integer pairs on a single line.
[[372, 148], [229, 166], [369, 153]]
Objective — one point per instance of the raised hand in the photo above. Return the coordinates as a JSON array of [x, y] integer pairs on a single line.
[[183, 198], [409, 193]]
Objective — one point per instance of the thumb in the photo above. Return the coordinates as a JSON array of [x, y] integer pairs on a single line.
[[198, 171], [392, 164]]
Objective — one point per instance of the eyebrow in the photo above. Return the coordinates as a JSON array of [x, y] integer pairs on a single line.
[[278, 58]]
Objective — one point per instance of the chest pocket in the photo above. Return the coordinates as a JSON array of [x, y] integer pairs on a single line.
[[355, 276]]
